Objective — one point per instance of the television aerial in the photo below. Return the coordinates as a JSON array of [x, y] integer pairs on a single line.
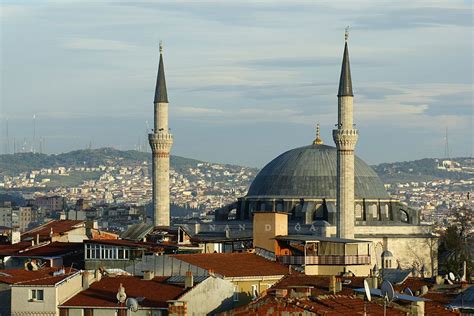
[[408, 291], [367, 294], [132, 304], [367, 290], [388, 294], [121, 296]]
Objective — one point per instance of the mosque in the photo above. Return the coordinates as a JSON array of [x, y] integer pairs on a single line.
[[307, 182], [323, 199]]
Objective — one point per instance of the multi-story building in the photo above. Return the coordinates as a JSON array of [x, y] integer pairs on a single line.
[[38, 292]]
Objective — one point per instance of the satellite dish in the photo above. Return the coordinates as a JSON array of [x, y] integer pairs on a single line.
[[121, 296], [451, 276], [367, 290], [387, 290], [132, 304], [408, 291]]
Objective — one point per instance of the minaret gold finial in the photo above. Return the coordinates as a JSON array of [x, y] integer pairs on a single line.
[[161, 46], [346, 33], [318, 140]]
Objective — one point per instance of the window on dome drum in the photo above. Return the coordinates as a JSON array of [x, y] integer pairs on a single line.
[[384, 211], [279, 206], [358, 211], [404, 216], [36, 295], [373, 211], [320, 213]]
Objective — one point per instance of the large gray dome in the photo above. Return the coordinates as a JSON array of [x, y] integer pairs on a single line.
[[310, 172]]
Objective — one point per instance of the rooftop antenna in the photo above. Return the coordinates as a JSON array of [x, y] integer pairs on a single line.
[[388, 294], [408, 291], [7, 143], [446, 145], [41, 145], [33, 149], [14, 145]]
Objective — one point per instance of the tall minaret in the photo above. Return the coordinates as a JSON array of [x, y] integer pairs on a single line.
[[160, 142], [345, 137]]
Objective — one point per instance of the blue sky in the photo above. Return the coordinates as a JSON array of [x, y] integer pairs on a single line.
[[246, 80]]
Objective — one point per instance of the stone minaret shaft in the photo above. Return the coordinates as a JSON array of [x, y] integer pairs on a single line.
[[345, 137], [160, 142]]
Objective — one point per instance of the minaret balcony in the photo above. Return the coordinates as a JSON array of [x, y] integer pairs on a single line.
[[160, 136], [345, 138]]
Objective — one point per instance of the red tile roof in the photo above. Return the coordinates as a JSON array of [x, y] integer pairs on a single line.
[[58, 227], [235, 264], [8, 250], [40, 277], [330, 305], [320, 288], [156, 292], [53, 249]]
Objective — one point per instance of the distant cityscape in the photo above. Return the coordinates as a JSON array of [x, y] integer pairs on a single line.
[[124, 191]]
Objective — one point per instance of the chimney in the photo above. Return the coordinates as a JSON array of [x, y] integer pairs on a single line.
[[338, 285], [85, 280], [332, 284], [15, 237], [148, 275], [417, 308], [97, 275], [37, 239], [189, 280]]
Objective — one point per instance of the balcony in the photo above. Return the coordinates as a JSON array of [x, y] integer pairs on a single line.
[[325, 260]]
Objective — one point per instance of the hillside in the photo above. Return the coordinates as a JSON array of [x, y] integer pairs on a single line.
[[423, 170], [407, 171], [22, 162]]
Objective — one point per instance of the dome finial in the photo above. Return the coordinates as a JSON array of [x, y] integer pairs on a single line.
[[318, 140], [346, 33], [161, 46]]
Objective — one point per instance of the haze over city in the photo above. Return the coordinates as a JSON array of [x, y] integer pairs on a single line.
[[246, 81]]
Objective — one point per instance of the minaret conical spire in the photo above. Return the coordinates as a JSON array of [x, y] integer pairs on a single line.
[[161, 95], [345, 82]]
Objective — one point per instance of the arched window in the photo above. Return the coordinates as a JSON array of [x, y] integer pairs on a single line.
[[320, 213], [404, 216], [358, 211], [279, 206]]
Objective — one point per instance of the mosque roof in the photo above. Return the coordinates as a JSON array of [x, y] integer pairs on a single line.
[[310, 172]]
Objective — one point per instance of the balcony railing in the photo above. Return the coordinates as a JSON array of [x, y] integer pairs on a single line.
[[324, 260]]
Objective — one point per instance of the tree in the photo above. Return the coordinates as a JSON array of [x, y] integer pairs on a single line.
[[456, 243]]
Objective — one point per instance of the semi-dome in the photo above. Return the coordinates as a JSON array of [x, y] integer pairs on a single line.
[[310, 172]]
